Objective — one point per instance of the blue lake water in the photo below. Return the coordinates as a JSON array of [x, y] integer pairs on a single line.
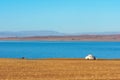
[[58, 49]]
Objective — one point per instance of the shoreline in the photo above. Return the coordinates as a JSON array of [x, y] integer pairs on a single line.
[[67, 38], [61, 40], [99, 59]]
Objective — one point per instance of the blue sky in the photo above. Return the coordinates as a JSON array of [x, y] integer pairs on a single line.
[[70, 16]]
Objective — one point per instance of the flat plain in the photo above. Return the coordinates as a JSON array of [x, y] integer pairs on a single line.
[[69, 38], [59, 69]]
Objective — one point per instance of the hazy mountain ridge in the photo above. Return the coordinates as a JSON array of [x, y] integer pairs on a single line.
[[50, 33], [30, 33]]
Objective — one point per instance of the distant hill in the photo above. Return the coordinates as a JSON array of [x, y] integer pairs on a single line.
[[30, 33], [98, 33], [53, 35]]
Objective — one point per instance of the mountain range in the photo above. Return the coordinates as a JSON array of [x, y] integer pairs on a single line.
[[49, 33], [30, 33]]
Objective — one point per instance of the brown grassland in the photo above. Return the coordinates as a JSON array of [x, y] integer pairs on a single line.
[[69, 38], [59, 69]]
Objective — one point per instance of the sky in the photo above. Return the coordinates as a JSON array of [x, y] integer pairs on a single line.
[[68, 16]]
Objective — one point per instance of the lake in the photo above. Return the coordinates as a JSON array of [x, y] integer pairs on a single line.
[[59, 49]]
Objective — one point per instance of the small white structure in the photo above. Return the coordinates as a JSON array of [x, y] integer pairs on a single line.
[[90, 57]]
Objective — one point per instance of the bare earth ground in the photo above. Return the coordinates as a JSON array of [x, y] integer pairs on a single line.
[[59, 69]]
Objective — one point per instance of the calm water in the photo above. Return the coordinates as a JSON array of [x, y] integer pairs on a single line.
[[57, 49]]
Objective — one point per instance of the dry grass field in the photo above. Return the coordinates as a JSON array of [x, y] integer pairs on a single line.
[[59, 69]]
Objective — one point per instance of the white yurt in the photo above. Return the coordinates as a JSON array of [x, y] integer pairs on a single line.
[[90, 57]]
